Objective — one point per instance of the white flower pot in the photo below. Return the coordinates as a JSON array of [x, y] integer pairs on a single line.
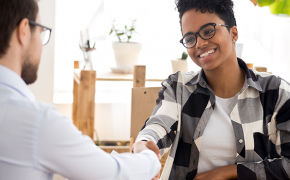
[[126, 54], [179, 65]]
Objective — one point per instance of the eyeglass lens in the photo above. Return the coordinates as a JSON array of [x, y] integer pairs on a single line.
[[206, 32], [45, 35]]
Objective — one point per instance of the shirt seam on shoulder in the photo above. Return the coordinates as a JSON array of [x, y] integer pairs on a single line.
[[36, 135], [2, 113]]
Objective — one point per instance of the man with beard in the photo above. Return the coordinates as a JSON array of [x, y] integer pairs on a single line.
[[35, 139]]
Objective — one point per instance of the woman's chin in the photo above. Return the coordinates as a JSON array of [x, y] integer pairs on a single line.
[[212, 65], [209, 66]]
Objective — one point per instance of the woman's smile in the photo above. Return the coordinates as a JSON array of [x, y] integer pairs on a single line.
[[206, 54]]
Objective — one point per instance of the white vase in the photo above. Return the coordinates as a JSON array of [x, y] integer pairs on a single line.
[[179, 65], [126, 54], [239, 49]]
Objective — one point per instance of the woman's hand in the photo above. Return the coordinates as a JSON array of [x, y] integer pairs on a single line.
[[222, 173]]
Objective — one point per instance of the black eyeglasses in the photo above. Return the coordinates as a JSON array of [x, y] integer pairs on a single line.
[[45, 34], [206, 32]]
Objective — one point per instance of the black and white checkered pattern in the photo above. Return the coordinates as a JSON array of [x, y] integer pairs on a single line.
[[260, 117]]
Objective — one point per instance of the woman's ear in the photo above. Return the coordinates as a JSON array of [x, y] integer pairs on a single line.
[[234, 34]]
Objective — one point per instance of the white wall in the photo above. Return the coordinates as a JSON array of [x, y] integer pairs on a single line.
[[43, 87]]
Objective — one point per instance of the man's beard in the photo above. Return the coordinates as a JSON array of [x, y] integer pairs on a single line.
[[29, 71]]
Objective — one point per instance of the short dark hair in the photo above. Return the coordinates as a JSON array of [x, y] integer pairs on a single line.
[[223, 8], [11, 14]]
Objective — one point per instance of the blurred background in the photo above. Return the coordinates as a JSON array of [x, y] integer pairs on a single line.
[[265, 38]]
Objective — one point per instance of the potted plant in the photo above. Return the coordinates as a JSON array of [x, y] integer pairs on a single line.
[[126, 52], [277, 7], [180, 64]]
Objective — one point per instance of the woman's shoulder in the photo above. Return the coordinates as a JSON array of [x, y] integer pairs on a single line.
[[182, 77], [268, 80]]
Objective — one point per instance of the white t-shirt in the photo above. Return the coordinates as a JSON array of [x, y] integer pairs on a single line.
[[218, 145]]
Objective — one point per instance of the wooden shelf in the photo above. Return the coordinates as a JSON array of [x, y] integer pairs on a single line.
[[109, 76], [84, 92]]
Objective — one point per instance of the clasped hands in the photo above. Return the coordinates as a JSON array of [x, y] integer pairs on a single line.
[[222, 173], [147, 145]]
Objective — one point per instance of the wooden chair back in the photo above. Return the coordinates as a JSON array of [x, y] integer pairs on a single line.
[[143, 103]]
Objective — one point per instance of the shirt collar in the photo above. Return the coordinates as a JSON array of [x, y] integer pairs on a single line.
[[11, 79], [251, 78]]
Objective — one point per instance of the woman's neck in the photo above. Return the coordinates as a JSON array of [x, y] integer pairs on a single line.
[[227, 79]]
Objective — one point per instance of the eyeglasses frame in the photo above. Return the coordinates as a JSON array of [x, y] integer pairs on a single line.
[[190, 33], [44, 29]]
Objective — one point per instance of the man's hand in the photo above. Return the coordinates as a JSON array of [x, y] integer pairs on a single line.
[[138, 146], [222, 173]]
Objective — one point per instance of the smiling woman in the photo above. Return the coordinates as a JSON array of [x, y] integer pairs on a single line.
[[220, 122], [214, 38]]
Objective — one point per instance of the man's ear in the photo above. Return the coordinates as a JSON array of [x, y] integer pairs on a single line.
[[23, 32], [235, 33]]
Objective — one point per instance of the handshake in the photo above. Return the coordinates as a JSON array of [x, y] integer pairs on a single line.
[[147, 145]]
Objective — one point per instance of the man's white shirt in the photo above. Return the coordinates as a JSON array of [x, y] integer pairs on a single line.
[[37, 141]]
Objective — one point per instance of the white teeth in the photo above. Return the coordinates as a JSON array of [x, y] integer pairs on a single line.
[[206, 53]]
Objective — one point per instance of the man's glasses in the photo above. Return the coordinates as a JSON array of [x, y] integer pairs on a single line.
[[206, 32], [45, 34]]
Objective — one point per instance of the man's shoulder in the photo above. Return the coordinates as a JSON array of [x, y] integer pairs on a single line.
[[15, 104], [26, 104]]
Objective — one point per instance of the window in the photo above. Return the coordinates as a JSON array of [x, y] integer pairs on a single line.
[[157, 25]]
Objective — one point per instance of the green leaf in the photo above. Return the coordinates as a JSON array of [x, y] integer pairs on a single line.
[[111, 31], [132, 29], [280, 7], [184, 56], [125, 27], [120, 34], [265, 2], [129, 37]]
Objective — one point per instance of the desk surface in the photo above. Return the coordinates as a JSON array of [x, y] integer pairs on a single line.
[[109, 76], [118, 149]]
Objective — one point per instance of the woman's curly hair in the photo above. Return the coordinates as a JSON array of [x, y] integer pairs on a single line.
[[223, 8]]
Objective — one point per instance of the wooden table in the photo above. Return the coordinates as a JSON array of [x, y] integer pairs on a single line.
[[83, 112], [118, 149]]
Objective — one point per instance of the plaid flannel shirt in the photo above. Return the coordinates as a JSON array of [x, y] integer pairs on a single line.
[[260, 119]]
